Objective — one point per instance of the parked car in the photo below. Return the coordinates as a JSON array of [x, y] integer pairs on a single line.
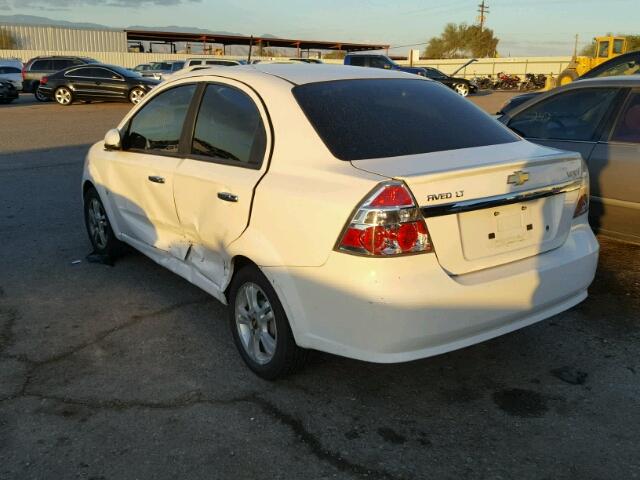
[[184, 70], [96, 82], [626, 64], [600, 119], [192, 62], [8, 92], [461, 86], [143, 67], [334, 250], [11, 70], [379, 61], [39, 67], [160, 69]]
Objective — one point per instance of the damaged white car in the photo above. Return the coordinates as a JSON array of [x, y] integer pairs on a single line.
[[367, 213]]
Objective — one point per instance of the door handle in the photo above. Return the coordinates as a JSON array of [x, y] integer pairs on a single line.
[[156, 179], [227, 197]]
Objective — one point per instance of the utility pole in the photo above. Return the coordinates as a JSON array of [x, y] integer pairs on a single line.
[[575, 47], [483, 10]]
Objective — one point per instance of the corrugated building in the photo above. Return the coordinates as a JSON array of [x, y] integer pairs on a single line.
[[50, 38]]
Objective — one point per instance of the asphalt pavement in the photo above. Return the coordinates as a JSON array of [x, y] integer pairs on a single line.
[[129, 372]]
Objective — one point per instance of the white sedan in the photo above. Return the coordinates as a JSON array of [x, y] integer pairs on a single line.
[[367, 213]]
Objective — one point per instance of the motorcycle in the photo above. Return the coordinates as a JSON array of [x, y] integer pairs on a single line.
[[533, 82], [506, 81], [483, 83]]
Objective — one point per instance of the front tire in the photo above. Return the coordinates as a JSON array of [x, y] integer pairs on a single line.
[[63, 96], [567, 76], [136, 95], [461, 89], [260, 327], [99, 229]]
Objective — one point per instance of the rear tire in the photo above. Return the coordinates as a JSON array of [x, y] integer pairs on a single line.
[[260, 327], [39, 95], [63, 96], [101, 234]]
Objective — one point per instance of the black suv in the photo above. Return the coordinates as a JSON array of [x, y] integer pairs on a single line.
[[39, 67]]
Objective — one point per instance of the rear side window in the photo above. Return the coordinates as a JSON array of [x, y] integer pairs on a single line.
[[379, 62], [628, 127], [6, 70], [81, 72], [229, 127], [42, 65], [61, 64], [357, 61], [629, 67], [195, 62], [373, 118], [572, 115], [157, 127]]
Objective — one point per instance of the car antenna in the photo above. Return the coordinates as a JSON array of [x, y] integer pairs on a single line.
[[250, 46]]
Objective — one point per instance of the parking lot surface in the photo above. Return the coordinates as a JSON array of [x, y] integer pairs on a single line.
[[129, 372]]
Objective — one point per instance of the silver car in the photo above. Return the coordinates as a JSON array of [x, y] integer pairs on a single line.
[[600, 119]]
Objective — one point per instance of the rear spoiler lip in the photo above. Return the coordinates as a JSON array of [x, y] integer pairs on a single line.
[[499, 200]]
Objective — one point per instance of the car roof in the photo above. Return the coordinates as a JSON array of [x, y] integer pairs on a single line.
[[614, 81], [276, 75], [301, 73]]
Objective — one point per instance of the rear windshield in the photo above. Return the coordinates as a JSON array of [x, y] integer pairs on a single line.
[[375, 118]]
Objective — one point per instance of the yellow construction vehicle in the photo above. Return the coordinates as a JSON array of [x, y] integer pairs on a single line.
[[606, 48]]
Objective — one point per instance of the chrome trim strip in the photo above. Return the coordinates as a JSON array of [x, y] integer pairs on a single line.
[[499, 200]]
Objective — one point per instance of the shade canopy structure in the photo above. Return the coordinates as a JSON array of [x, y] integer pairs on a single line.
[[226, 40]]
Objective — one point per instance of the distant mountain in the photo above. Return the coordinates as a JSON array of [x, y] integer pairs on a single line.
[[35, 20], [177, 29]]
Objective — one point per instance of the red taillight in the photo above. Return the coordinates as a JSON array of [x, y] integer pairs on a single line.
[[387, 223], [44, 80], [582, 205], [392, 196]]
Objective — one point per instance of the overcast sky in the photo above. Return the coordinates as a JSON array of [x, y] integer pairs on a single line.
[[525, 27]]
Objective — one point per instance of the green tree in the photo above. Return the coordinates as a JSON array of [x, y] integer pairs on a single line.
[[7, 42], [462, 41]]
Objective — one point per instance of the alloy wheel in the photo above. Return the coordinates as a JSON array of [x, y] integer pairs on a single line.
[[256, 323], [98, 224], [136, 96], [63, 96], [462, 89]]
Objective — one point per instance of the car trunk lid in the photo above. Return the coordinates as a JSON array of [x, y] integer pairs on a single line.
[[488, 206]]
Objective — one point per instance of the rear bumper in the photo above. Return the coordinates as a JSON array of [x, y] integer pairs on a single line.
[[401, 309], [46, 91], [9, 94]]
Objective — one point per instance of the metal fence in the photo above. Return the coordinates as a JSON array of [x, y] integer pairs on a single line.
[[491, 66], [127, 60], [45, 37], [485, 66]]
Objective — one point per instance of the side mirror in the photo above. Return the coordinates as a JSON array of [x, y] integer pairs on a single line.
[[113, 140]]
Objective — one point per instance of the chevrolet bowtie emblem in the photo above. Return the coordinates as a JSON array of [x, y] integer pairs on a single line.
[[518, 178]]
